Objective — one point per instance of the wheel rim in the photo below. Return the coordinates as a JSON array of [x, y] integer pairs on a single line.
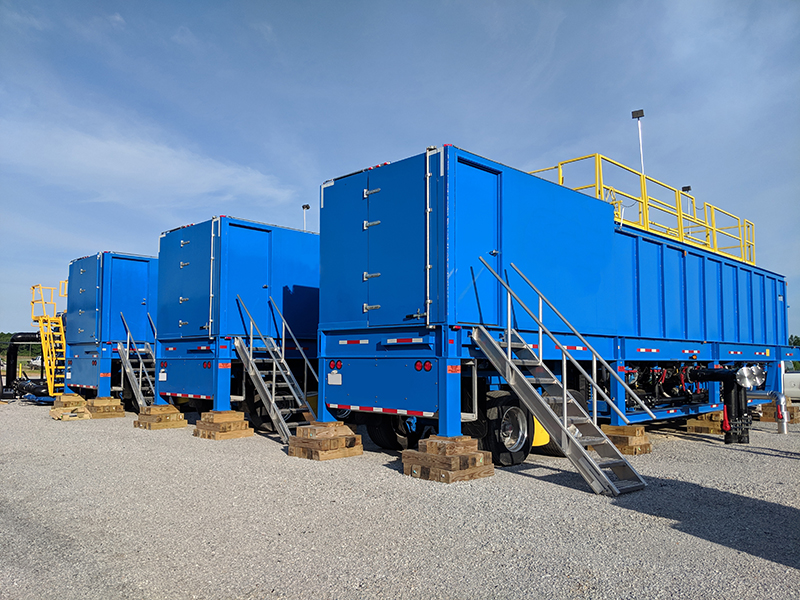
[[514, 429]]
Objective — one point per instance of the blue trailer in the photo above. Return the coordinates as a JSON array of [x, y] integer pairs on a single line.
[[238, 307], [445, 277], [111, 302]]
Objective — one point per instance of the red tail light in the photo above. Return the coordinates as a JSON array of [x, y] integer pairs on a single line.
[[418, 365], [427, 366], [332, 364], [338, 364]]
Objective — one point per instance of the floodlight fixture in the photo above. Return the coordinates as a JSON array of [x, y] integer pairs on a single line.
[[686, 189], [305, 208], [637, 114]]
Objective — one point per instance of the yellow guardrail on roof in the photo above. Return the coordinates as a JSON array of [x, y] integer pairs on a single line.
[[648, 204]]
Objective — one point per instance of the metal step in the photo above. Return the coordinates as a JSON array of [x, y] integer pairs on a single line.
[[548, 410]]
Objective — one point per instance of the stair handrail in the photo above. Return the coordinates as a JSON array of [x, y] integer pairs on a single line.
[[128, 341], [152, 326], [296, 343], [563, 349]]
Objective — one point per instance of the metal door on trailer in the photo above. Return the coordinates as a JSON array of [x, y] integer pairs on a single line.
[[83, 300], [477, 206], [129, 289]]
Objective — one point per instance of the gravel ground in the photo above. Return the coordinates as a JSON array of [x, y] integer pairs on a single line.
[[98, 509]]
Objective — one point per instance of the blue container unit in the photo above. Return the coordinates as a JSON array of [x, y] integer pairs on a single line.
[[101, 289], [210, 273], [402, 287]]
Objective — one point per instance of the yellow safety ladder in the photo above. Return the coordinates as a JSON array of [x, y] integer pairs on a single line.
[[51, 332]]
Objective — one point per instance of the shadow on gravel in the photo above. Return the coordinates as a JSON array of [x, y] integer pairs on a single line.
[[764, 529]]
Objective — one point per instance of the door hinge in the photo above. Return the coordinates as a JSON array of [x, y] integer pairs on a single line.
[[368, 224], [182, 323], [370, 275], [369, 307], [182, 300], [184, 264], [368, 193], [184, 242]]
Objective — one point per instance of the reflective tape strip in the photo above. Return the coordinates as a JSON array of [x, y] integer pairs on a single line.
[[570, 347], [672, 412], [348, 342], [790, 354], [204, 347], [224, 365], [168, 349], [105, 374], [77, 385], [198, 396], [761, 353], [714, 405], [734, 352], [405, 341], [648, 350], [388, 411], [691, 351]]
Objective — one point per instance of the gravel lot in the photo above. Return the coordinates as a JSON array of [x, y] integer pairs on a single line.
[[98, 509]]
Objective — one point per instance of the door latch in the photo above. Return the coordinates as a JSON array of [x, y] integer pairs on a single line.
[[369, 307], [494, 252]]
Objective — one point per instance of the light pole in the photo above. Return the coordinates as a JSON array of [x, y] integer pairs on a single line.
[[638, 114], [305, 208]]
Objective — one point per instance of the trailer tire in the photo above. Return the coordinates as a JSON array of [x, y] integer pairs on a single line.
[[391, 433], [510, 428]]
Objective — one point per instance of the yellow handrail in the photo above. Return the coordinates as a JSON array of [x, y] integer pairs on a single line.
[[662, 209]]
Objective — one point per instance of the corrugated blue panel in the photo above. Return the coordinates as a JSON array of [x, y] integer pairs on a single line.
[[759, 314], [650, 292], [184, 280], [397, 286], [745, 279], [730, 318], [674, 298], [625, 265], [695, 298], [343, 252], [476, 221], [713, 291]]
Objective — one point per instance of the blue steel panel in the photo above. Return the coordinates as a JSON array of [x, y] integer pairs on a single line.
[[476, 204], [243, 269], [759, 314], [674, 296], [400, 208], [184, 278], [127, 290], [729, 304], [83, 300], [650, 292], [770, 315], [745, 278], [343, 252], [625, 263], [713, 289], [783, 334], [389, 383], [695, 298]]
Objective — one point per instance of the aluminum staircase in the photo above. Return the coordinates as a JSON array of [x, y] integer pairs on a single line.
[[574, 431], [138, 366], [277, 391], [51, 334]]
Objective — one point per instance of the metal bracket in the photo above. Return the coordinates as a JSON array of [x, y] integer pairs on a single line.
[[368, 224], [184, 242], [370, 275], [184, 264], [182, 323], [417, 315], [369, 307], [368, 193], [182, 300]]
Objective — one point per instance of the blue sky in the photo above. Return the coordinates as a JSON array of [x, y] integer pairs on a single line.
[[120, 120]]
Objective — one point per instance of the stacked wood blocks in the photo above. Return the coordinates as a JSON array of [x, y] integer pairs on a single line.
[[631, 440], [70, 407], [769, 413], [105, 408], [160, 416], [448, 459], [222, 425], [325, 441], [706, 423]]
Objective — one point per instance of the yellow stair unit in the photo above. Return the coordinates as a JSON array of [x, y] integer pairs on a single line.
[[51, 332]]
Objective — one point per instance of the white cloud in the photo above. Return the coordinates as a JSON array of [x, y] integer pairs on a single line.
[[124, 168]]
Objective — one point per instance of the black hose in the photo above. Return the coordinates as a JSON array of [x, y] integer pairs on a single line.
[[24, 337]]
